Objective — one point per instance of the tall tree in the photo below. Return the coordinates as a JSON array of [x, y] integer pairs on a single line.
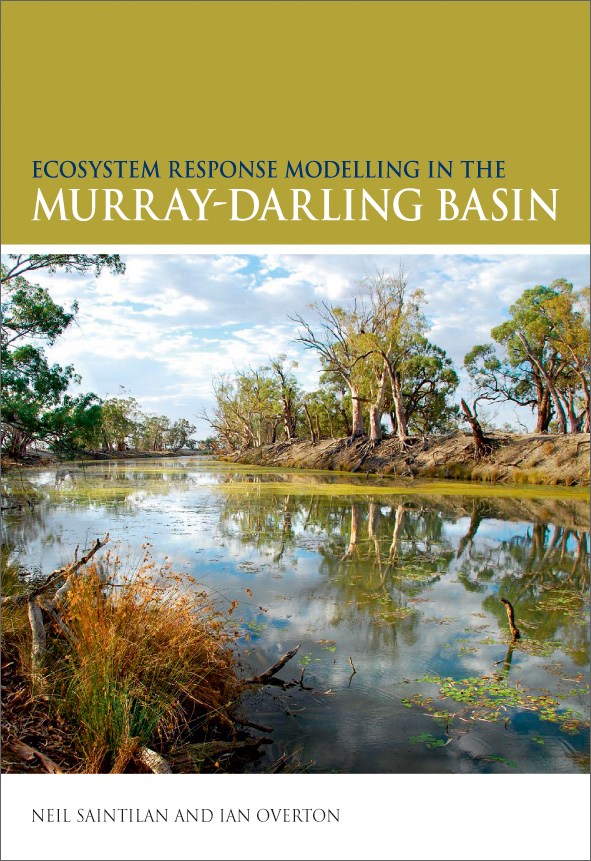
[[288, 393], [547, 356], [335, 339], [34, 401], [390, 321]]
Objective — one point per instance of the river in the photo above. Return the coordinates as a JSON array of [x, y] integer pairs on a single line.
[[393, 592]]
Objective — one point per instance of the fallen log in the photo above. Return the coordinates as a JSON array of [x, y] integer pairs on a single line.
[[261, 727], [265, 677], [191, 755], [38, 643], [28, 753], [152, 760]]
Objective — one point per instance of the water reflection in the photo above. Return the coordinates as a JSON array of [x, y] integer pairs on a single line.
[[407, 584]]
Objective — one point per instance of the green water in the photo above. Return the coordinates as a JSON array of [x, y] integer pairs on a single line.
[[401, 583]]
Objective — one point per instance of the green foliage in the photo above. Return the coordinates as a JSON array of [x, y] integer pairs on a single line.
[[35, 403], [546, 361], [256, 406]]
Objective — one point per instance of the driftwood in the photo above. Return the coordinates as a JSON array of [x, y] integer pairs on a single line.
[[261, 727], [35, 602], [26, 752], [511, 616], [66, 570], [57, 619], [279, 765], [192, 754], [38, 642], [265, 677], [152, 760], [70, 570]]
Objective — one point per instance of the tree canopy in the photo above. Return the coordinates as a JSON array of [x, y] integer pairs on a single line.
[[545, 361], [35, 402]]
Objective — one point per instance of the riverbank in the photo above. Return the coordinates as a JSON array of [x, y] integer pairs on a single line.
[[546, 459]]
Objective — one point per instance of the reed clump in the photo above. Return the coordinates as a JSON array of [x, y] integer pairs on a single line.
[[141, 659]]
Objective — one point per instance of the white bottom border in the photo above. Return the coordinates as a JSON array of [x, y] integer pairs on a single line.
[[379, 817]]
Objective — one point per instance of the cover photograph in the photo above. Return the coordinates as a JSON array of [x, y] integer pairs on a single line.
[[295, 429]]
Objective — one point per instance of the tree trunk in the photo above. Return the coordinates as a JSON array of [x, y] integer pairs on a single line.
[[357, 429], [573, 420], [481, 445], [555, 397], [544, 410], [376, 410], [317, 422], [309, 419], [330, 425], [375, 424], [401, 426]]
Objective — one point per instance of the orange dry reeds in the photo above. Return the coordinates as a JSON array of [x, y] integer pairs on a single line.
[[144, 658]]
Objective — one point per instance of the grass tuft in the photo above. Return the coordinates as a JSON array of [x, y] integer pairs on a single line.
[[146, 661]]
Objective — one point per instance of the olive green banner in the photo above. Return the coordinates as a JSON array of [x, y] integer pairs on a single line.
[[295, 122]]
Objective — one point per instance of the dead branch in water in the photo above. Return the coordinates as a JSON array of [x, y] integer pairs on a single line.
[[265, 677], [261, 727], [511, 616], [65, 571], [34, 601]]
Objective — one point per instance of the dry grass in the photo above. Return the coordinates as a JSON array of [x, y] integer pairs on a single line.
[[146, 662]]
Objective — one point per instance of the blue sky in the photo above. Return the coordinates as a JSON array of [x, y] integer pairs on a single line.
[[172, 321]]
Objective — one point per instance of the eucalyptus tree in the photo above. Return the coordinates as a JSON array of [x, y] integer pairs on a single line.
[[120, 425], [248, 406], [390, 321], [429, 381], [35, 404], [499, 379], [546, 365], [289, 393], [21, 263], [335, 337]]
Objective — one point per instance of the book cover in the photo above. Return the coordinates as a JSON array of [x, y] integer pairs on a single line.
[[295, 429]]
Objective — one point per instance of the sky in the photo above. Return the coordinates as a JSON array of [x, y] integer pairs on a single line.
[[162, 330]]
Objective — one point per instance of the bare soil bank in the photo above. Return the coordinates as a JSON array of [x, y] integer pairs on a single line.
[[515, 459]]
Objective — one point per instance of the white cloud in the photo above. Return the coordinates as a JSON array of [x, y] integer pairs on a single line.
[[171, 322]]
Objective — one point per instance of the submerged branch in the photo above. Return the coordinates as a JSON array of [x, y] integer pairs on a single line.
[[511, 616], [265, 677]]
